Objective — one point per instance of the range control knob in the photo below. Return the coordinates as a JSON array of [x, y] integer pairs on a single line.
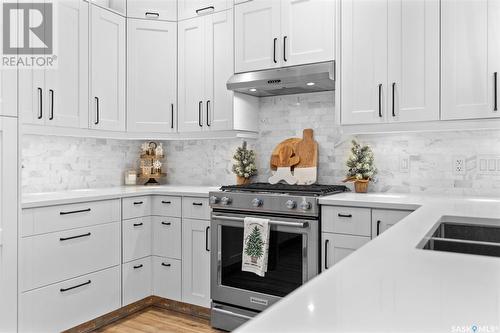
[[257, 202], [304, 205], [225, 201], [214, 200], [290, 204]]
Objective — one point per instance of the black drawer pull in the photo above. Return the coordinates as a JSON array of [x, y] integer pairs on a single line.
[[75, 211], [197, 204], [205, 8], [378, 227], [345, 215], [166, 223], [138, 202], [166, 202], [74, 287], [138, 224], [138, 266], [166, 265], [75, 237], [380, 100], [495, 92], [326, 253], [152, 14], [206, 239]]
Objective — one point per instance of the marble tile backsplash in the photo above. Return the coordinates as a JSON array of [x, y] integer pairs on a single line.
[[55, 163]]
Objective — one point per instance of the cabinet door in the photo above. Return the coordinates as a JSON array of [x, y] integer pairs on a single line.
[[167, 279], [219, 67], [151, 76], [364, 61], [336, 247], [191, 74], [257, 35], [108, 70], [8, 224], [117, 6], [470, 53], [137, 280], [196, 262], [307, 31], [383, 219], [66, 86], [152, 9], [413, 60], [8, 85], [192, 8], [167, 237]]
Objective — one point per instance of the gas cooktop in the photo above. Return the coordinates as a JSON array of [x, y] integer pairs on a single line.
[[304, 190]]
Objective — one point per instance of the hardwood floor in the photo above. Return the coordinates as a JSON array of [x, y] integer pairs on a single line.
[[156, 320]]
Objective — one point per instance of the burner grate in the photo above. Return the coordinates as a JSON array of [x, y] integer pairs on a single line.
[[315, 189]]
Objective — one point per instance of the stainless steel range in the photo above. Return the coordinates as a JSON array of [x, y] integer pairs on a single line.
[[294, 246]]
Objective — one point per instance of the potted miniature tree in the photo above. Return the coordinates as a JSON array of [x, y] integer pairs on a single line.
[[244, 166], [254, 245], [360, 167]]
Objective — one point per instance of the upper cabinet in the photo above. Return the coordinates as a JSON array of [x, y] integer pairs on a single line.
[[8, 85], [152, 9], [470, 38], [107, 49], [118, 6], [271, 34], [205, 64], [193, 8], [152, 76], [390, 61]]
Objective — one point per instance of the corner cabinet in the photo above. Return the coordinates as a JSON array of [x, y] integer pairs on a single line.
[[205, 64], [108, 70], [271, 34], [151, 76]]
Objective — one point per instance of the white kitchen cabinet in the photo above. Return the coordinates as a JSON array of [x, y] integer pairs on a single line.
[[137, 280], [196, 262], [59, 96], [117, 6], [107, 49], [383, 219], [346, 220], [136, 207], [8, 85], [336, 247], [165, 205], [152, 76], [8, 223], [205, 65], [192, 8], [167, 236], [152, 9], [136, 238], [470, 53], [167, 282]]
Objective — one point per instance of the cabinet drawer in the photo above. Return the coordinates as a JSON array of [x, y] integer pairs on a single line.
[[195, 208], [167, 278], [63, 217], [166, 206], [152, 9], [193, 8], [61, 306], [136, 238], [167, 237], [136, 207], [136, 280], [383, 219], [55, 257], [346, 220]]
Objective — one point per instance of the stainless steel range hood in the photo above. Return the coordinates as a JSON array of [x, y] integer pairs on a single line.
[[285, 81]]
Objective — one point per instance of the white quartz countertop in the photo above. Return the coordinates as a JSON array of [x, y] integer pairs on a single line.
[[33, 200], [390, 285]]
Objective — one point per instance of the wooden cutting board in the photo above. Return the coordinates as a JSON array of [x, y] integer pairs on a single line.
[[307, 150], [275, 154]]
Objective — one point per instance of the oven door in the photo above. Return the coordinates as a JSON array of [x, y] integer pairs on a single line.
[[292, 260]]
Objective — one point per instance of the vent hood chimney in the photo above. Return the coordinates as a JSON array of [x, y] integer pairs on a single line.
[[285, 81]]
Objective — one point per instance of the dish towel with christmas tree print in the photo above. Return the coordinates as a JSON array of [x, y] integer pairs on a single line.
[[255, 245]]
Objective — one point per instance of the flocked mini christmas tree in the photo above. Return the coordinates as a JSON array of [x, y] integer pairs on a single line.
[[360, 164], [254, 245], [244, 166]]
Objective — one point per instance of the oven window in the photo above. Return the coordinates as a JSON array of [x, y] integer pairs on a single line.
[[284, 269]]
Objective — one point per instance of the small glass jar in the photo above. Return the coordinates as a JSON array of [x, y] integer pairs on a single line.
[[131, 177]]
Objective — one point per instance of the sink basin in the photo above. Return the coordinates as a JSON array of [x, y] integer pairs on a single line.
[[468, 238]]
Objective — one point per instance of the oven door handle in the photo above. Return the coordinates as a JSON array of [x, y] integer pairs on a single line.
[[230, 313], [274, 222]]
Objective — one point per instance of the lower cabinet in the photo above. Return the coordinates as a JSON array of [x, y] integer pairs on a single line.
[[336, 247], [137, 280], [196, 262], [60, 306], [136, 238], [383, 219], [167, 278]]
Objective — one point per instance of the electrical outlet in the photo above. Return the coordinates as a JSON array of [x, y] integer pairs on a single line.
[[404, 163], [459, 165]]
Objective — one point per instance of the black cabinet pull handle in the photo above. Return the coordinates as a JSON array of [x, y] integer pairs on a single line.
[[393, 99], [344, 215], [274, 50], [495, 107], [138, 266], [138, 224], [166, 223], [152, 14], [96, 110], [138, 202], [74, 287], [75, 237], [199, 114], [166, 265], [166, 202], [284, 48], [172, 117], [75, 211], [378, 227], [51, 93], [326, 253], [197, 204], [206, 239], [40, 105], [380, 100], [205, 8], [208, 112]]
